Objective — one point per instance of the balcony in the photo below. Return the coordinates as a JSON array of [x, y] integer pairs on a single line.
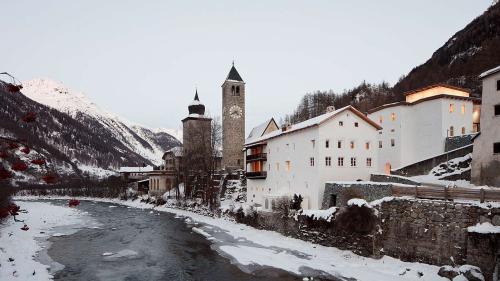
[[256, 175], [257, 157]]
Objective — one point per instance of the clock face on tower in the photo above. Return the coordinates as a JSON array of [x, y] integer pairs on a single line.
[[235, 112]]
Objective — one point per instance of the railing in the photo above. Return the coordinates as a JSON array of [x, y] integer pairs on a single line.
[[256, 175], [257, 157], [447, 193]]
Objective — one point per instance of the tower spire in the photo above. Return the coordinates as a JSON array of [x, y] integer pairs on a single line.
[[196, 95]]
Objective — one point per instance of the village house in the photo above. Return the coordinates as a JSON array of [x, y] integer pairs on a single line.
[[419, 127], [135, 173], [339, 145], [486, 151]]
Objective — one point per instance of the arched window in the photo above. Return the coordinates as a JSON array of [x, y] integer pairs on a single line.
[[452, 133], [237, 90], [233, 90], [273, 206], [266, 204]]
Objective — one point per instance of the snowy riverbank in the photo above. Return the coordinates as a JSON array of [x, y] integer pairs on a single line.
[[18, 248], [247, 247]]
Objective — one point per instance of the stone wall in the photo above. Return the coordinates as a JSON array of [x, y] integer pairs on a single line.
[[428, 231], [452, 143], [425, 166], [483, 252], [392, 179], [435, 232], [370, 190]]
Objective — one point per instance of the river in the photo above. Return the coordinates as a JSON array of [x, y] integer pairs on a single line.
[[135, 244]]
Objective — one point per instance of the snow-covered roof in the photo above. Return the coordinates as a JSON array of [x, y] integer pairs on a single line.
[[177, 151], [195, 102], [136, 169], [489, 72], [312, 122], [194, 115], [259, 130]]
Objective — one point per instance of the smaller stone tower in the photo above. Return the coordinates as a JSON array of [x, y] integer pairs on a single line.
[[196, 131]]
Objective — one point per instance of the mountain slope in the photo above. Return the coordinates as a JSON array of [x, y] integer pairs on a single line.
[[73, 134], [462, 58], [150, 145]]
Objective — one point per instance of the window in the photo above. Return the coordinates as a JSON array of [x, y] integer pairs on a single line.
[[367, 145], [328, 161], [497, 109], [393, 116], [311, 161], [380, 119], [463, 130], [452, 131], [496, 148], [462, 108], [313, 143], [341, 123], [368, 162], [327, 143], [237, 90], [351, 144], [452, 107], [393, 142], [498, 85], [356, 124], [379, 144], [353, 161], [340, 161], [339, 144], [288, 166]]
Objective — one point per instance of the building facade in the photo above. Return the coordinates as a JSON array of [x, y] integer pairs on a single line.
[[417, 128], [233, 120], [486, 151], [299, 159]]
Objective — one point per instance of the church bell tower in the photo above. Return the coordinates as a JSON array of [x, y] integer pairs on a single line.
[[233, 120]]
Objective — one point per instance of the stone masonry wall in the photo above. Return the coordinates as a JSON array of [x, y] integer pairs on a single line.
[[435, 232], [425, 166], [428, 231], [370, 190]]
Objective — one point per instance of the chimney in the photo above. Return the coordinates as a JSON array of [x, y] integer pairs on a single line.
[[330, 108], [285, 127]]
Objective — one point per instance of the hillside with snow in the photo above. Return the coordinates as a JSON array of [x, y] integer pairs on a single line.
[[73, 134], [149, 143]]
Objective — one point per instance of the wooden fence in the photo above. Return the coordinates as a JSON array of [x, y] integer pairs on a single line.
[[447, 193]]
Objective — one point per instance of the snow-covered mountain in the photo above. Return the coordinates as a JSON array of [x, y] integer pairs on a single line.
[[149, 143], [72, 134]]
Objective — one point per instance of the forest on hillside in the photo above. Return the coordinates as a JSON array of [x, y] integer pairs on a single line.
[[458, 62]]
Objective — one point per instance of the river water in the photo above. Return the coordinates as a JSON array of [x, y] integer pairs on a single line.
[[134, 244]]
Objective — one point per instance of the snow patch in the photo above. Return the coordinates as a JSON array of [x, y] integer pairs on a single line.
[[485, 228]]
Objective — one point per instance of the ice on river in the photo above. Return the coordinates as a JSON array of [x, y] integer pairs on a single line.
[[126, 254]]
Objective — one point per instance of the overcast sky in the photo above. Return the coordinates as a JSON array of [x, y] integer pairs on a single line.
[[143, 59]]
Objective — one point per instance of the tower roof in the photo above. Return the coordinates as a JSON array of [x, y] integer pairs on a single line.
[[234, 75], [196, 107]]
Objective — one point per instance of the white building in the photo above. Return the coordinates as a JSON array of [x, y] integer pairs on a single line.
[[416, 129], [486, 153], [339, 145]]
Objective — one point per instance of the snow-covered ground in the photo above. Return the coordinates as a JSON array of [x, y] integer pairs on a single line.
[[18, 248], [246, 247]]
